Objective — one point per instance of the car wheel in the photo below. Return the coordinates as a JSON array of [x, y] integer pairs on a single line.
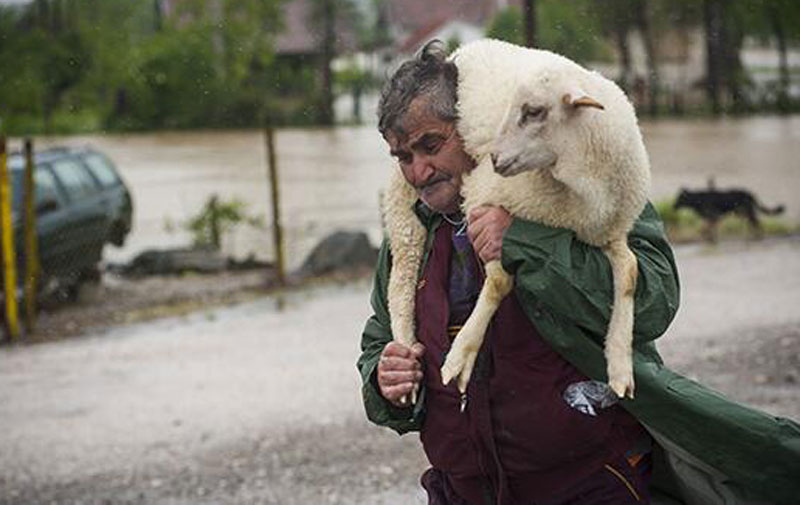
[[118, 234]]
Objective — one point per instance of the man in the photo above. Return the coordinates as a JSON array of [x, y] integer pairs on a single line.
[[514, 438], [517, 440]]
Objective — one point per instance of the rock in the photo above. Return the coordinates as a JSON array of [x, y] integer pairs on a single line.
[[340, 252], [175, 261]]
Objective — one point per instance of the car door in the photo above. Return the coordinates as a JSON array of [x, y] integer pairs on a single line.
[[52, 223], [85, 223], [119, 207]]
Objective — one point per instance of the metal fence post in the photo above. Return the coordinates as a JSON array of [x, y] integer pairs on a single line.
[[277, 233], [7, 239], [31, 241]]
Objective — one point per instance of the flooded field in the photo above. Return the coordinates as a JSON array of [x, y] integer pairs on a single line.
[[331, 179]]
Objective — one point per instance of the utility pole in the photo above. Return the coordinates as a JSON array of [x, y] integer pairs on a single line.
[[31, 241], [529, 16], [327, 52], [277, 232], [9, 260]]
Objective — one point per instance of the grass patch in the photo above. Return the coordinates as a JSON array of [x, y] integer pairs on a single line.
[[684, 225]]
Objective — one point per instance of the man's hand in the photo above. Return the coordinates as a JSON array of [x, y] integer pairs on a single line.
[[399, 371], [487, 224]]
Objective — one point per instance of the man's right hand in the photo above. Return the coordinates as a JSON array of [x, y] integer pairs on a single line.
[[400, 371]]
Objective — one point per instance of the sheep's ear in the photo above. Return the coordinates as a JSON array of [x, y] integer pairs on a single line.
[[581, 99]]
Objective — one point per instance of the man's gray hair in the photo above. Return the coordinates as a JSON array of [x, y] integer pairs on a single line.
[[429, 74]]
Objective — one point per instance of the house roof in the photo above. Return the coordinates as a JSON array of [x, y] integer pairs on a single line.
[[297, 37], [300, 36], [417, 21], [413, 15]]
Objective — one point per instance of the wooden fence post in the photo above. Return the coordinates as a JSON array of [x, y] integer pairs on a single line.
[[277, 232], [7, 240], [32, 266]]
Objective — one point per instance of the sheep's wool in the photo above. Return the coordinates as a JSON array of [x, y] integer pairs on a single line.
[[602, 171]]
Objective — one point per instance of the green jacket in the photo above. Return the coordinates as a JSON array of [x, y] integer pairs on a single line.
[[711, 450]]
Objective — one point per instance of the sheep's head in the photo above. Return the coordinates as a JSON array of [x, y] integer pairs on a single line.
[[525, 140]]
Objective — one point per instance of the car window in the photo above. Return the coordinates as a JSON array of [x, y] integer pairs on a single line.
[[16, 189], [46, 186], [75, 179], [102, 169], [45, 183]]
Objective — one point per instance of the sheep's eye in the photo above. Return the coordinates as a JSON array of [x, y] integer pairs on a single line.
[[530, 113]]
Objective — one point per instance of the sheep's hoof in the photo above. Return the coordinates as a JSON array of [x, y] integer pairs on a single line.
[[410, 399], [621, 384], [458, 364]]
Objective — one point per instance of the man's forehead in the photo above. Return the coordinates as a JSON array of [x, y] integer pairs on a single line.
[[419, 114], [419, 119]]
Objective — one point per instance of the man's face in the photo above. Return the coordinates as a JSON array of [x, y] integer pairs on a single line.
[[431, 156]]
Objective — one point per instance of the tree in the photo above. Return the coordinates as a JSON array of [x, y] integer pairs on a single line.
[[725, 30], [529, 16], [328, 17], [566, 28], [778, 20], [642, 20]]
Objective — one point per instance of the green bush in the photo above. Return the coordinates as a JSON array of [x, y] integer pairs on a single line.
[[685, 225], [216, 219]]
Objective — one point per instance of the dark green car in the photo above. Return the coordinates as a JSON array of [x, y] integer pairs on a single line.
[[81, 204]]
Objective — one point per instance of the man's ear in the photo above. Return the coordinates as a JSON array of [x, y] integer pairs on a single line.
[[576, 98]]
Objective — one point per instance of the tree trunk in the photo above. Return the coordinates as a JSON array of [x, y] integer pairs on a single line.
[[217, 15], [158, 16], [783, 60], [529, 16], [621, 38], [42, 15], [327, 52], [712, 21], [653, 78], [734, 70]]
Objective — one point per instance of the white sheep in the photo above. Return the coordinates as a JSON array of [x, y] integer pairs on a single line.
[[554, 143]]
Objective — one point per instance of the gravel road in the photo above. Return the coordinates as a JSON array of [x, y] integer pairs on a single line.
[[259, 403]]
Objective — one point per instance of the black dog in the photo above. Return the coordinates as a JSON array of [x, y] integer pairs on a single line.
[[712, 205]]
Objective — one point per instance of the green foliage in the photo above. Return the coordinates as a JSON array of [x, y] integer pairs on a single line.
[[567, 28], [114, 63], [171, 82], [351, 76], [507, 25], [218, 218]]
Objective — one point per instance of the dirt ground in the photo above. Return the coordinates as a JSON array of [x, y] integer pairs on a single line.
[[247, 397], [118, 300]]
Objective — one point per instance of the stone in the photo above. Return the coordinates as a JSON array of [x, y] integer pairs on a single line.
[[342, 251]]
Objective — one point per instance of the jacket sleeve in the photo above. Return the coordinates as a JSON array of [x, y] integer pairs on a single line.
[[377, 333], [574, 280]]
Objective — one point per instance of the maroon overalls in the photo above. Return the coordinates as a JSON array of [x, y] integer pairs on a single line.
[[517, 441]]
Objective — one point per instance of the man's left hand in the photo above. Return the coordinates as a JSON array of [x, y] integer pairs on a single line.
[[486, 227]]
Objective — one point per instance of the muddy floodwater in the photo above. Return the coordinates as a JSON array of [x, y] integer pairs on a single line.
[[331, 178]]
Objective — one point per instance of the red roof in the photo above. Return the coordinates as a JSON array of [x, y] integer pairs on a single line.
[[413, 15]]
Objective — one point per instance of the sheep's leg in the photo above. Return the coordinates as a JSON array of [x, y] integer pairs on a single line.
[[461, 358], [619, 339], [401, 294], [407, 241]]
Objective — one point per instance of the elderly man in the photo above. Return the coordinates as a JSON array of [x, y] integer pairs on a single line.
[[515, 438]]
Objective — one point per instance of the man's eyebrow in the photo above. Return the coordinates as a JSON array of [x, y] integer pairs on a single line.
[[427, 137], [398, 152]]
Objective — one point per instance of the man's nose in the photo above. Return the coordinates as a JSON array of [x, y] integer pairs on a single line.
[[420, 170]]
